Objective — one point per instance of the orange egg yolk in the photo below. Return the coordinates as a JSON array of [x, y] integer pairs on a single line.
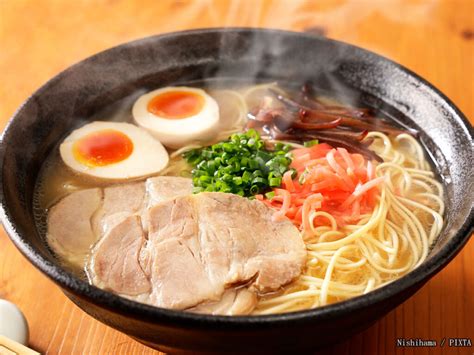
[[102, 148], [176, 104]]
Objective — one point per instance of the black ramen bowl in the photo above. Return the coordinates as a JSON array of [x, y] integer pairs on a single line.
[[77, 93]]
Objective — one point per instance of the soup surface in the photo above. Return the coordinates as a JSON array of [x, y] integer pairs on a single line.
[[239, 199]]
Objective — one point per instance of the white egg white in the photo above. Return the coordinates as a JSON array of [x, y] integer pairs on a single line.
[[148, 156], [176, 133]]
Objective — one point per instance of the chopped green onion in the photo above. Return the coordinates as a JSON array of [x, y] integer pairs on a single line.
[[240, 165], [259, 180], [254, 190], [311, 143], [275, 182], [237, 180], [197, 190], [270, 195], [247, 175]]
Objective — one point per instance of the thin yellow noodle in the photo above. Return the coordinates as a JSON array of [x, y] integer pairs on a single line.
[[290, 296], [328, 235], [370, 285], [184, 149], [423, 185], [437, 199], [358, 233], [327, 277], [433, 182], [406, 176], [334, 284], [420, 171], [331, 219], [376, 265], [282, 307], [342, 263], [413, 221]]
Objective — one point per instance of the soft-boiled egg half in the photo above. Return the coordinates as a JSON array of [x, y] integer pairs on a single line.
[[177, 116], [113, 150]]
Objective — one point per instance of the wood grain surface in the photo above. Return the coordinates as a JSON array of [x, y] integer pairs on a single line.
[[433, 38]]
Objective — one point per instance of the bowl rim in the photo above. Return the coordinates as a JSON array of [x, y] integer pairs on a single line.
[[104, 299]]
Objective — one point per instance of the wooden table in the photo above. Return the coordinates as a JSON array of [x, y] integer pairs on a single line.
[[433, 38]]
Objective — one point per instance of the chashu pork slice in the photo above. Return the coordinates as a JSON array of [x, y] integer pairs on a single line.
[[202, 246], [116, 265], [234, 301], [227, 240], [120, 201], [70, 233], [162, 188]]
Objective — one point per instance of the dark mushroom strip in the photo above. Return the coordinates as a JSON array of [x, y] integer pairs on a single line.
[[325, 115], [341, 133], [290, 104], [368, 141], [257, 125], [317, 126], [375, 125], [320, 111], [274, 131], [349, 117], [320, 116], [353, 112], [263, 115], [307, 89], [280, 136], [331, 135], [308, 93], [306, 96]]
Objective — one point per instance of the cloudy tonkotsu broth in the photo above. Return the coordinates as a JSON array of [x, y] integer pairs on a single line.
[[355, 196]]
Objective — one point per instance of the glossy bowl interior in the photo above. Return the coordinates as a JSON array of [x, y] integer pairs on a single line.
[[72, 98]]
